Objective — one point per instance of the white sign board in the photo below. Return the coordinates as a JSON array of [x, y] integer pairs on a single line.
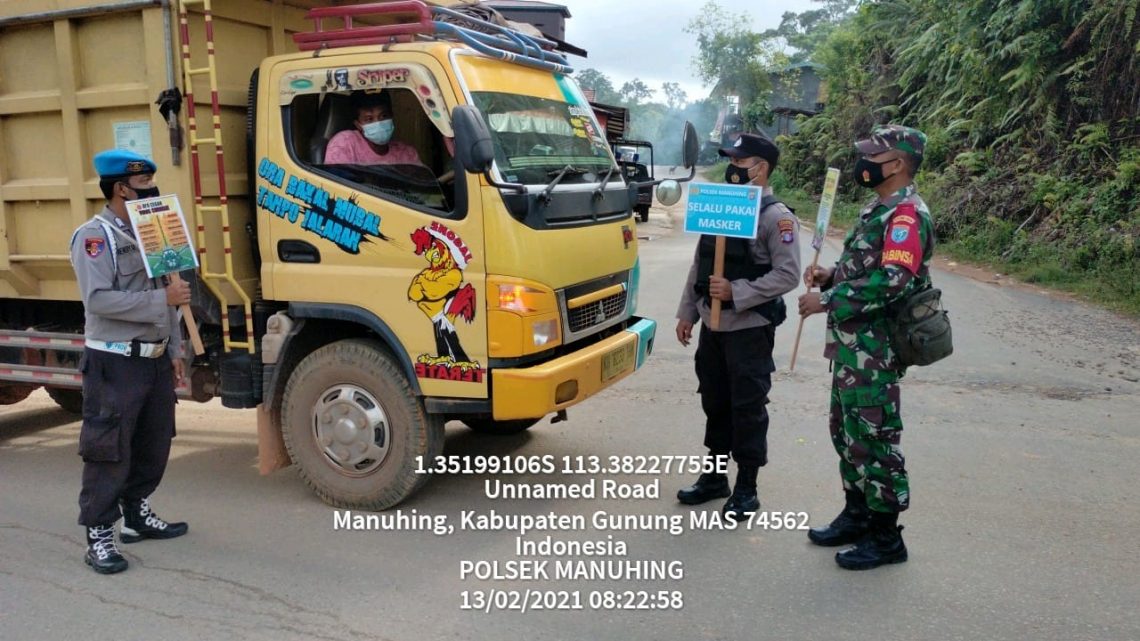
[[133, 136]]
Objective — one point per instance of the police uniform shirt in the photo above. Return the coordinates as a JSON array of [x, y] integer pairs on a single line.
[[121, 302], [776, 244]]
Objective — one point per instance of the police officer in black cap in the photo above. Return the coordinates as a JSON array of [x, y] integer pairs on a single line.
[[734, 363], [131, 366]]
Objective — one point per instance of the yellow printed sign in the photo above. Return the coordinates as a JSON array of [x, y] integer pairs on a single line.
[[162, 234]]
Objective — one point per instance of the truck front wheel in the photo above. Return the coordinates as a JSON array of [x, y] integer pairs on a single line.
[[355, 428]]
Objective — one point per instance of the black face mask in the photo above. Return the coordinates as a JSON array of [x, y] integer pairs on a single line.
[[734, 175], [868, 173], [149, 192]]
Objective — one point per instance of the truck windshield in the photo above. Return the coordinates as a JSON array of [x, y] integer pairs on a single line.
[[536, 138]]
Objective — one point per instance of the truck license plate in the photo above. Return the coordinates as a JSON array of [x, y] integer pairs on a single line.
[[618, 361]]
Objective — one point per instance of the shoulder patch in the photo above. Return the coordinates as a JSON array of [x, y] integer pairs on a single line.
[[903, 245], [787, 230], [94, 246]]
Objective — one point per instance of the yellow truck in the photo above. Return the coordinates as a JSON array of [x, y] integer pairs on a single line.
[[491, 277]]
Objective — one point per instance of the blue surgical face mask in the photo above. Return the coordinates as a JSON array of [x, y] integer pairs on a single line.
[[379, 132]]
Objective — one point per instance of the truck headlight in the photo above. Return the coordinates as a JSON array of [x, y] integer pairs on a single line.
[[634, 285], [520, 298], [523, 317], [544, 332]]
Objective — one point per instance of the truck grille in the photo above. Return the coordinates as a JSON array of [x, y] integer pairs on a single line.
[[587, 316]]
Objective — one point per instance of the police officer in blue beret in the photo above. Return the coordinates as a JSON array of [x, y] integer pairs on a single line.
[[131, 365]]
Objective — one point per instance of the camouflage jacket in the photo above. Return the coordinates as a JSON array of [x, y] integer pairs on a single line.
[[886, 257]]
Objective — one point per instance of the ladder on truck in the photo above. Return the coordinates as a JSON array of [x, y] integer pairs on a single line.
[[210, 277]]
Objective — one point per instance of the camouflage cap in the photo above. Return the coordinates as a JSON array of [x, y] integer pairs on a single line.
[[887, 137]]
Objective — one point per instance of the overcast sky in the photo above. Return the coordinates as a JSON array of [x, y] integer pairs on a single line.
[[645, 39]]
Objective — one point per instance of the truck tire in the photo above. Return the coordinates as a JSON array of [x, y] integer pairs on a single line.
[[354, 427], [500, 428], [14, 393], [643, 214], [70, 400]]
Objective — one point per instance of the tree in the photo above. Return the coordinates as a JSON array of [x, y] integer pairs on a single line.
[[807, 30], [601, 84], [675, 96], [732, 58], [635, 91]]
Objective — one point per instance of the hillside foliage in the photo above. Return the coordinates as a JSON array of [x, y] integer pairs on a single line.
[[1032, 109]]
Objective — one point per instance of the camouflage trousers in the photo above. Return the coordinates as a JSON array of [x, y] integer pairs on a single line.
[[865, 429]]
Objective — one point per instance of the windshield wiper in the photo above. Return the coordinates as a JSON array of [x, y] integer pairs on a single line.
[[544, 197], [602, 187]]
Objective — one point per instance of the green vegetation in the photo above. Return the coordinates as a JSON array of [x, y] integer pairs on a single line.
[[735, 61], [1032, 109]]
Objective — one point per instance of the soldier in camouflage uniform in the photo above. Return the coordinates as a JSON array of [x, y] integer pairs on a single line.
[[886, 258]]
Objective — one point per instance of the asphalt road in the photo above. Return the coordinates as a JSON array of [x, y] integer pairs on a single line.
[[1022, 449]]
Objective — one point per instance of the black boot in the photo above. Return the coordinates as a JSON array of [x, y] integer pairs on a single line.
[[708, 487], [743, 497], [849, 527], [102, 554], [140, 523], [882, 545]]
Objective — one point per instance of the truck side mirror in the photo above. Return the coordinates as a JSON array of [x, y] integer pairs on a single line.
[[473, 146], [690, 146], [669, 192]]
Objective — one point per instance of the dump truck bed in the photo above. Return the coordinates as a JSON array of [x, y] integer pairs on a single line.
[[83, 76]]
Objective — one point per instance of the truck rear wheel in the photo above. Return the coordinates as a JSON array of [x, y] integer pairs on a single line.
[[643, 214], [70, 400], [355, 428], [491, 426]]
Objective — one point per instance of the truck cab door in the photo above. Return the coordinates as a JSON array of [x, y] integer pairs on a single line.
[[389, 231]]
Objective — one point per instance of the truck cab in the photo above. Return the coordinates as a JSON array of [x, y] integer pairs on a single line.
[[501, 298]]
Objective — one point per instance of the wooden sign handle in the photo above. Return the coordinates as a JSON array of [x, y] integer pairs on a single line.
[[191, 324], [800, 329], [718, 271]]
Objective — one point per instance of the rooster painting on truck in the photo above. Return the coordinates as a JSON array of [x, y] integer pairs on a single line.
[[360, 307]]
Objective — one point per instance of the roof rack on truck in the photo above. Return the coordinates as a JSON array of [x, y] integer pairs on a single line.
[[413, 19]]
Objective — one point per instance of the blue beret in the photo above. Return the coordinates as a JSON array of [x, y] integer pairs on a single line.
[[114, 163]]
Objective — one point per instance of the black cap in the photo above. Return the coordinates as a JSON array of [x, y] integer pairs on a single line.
[[753, 145], [363, 99]]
